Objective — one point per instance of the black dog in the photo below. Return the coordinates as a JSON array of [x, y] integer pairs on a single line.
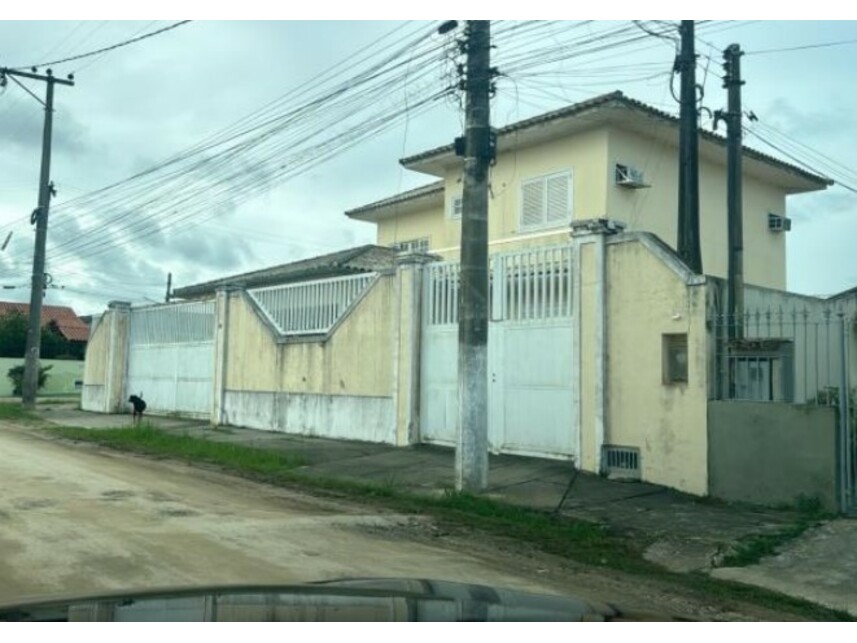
[[139, 407]]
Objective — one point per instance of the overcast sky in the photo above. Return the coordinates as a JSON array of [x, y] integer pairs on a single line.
[[136, 106]]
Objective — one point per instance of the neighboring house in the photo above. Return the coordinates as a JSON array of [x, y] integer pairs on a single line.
[[66, 374], [609, 157], [604, 348], [62, 319]]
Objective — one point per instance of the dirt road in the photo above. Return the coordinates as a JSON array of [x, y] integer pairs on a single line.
[[78, 519]]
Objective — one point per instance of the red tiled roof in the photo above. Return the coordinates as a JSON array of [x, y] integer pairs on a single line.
[[63, 318]]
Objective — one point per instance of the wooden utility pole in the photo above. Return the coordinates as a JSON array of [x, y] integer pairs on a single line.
[[169, 287], [30, 384], [734, 190], [471, 453], [689, 248]]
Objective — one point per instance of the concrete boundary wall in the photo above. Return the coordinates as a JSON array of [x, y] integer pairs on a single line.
[[771, 453], [347, 417]]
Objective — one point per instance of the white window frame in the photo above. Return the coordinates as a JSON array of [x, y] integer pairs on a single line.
[[407, 245], [450, 208], [545, 224]]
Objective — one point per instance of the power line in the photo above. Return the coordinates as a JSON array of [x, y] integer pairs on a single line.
[[124, 43], [835, 43]]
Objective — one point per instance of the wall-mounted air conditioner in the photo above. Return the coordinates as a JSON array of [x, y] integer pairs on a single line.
[[629, 176], [778, 223]]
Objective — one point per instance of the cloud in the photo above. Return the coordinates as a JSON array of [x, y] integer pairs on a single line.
[[23, 121]]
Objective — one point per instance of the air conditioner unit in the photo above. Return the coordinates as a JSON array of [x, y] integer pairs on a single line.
[[777, 223], [629, 176]]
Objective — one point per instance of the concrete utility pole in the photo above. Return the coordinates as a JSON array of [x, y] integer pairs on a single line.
[[688, 191], [30, 384], [734, 199], [471, 453], [169, 287]]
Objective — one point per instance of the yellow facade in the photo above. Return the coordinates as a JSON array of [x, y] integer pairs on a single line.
[[591, 157], [646, 300], [355, 360], [653, 209]]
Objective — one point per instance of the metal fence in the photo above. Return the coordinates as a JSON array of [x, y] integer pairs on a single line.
[[526, 285], [801, 355], [173, 323], [311, 307]]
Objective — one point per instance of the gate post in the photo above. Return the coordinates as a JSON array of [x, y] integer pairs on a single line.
[[406, 387], [222, 298], [119, 320]]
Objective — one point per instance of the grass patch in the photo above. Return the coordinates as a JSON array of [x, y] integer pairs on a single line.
[[149, 440], [16, 411], [751, 549], [574, 539]]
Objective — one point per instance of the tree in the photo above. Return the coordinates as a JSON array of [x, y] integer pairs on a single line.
[[13, 334], [16, 374], [13, 339]]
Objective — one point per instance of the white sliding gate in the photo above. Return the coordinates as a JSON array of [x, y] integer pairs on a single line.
[[171, 357], [529, 354]]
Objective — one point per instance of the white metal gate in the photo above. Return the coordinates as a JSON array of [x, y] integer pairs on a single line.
[[171, 357], [529, 354]]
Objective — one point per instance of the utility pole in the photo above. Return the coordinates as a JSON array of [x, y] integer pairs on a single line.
[[40, 218], [734, 189], [471, 453], [688, 191], [169, 287]]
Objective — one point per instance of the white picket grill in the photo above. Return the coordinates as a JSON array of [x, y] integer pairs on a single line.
[[311, 307], [527, 285], [536, 284], [173, 323]]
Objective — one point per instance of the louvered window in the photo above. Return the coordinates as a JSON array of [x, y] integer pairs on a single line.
[[546, 201]]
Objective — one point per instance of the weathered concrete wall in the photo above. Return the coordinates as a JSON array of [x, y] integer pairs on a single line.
[[647, 297], [339, 387], [347, 417], [771, 453], [63, 378], [95, 367], [355, 360], [106, 361]]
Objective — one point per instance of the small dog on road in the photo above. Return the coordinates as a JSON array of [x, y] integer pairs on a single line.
[[139, 406]]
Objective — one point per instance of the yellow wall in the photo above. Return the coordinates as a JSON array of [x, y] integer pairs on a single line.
[[584, 156], [592, 156], [654, 209], [95, 364], [356, 360], [646, 299]]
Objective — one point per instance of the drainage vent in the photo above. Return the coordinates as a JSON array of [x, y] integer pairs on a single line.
[[622, 461]]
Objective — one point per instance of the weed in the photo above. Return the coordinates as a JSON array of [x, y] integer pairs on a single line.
[[15, 411]]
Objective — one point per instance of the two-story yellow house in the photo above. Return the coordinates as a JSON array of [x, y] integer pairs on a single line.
[[609, 157]]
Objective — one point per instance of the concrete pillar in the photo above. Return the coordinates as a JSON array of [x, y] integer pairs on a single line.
[[591, 341], [222, 301], [406, 348], [119, 330]]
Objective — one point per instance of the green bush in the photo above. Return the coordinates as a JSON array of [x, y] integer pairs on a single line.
[[16, 375]]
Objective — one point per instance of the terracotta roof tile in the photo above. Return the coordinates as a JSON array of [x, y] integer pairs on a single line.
[[63, 318]]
